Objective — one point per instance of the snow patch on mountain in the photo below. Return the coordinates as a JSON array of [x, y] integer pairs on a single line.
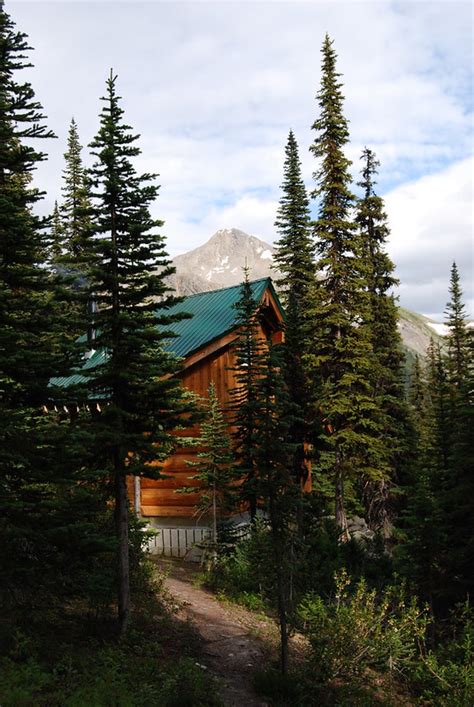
[[439, 328]]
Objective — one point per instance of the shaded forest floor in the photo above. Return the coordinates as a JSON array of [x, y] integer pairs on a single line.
[[235, 643]]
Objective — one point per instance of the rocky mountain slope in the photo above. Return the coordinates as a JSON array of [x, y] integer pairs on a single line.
[[219, 263]]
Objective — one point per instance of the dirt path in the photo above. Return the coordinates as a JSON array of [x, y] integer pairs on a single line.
[[230, 648]]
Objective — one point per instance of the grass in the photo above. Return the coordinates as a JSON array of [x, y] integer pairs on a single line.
[[69, 660]]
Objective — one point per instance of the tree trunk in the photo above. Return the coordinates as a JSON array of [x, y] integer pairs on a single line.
[[121, 524], [282, 620], [214, 523], [376, 498], [279, 552], [341, 518], [252, 497]]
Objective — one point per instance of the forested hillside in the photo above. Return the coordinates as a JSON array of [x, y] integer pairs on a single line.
[[354, 464]]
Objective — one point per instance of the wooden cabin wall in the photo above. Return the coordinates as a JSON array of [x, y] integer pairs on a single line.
[[159, 498]]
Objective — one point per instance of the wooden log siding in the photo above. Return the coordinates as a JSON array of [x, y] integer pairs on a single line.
[[162, 497]]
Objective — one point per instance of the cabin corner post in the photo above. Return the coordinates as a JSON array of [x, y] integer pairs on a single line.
[[137, 493]]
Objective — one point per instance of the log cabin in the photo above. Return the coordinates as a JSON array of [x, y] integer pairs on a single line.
[[205, 344]]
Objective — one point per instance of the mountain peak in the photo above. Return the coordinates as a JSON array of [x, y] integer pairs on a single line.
[[229, 233], [220, 261]]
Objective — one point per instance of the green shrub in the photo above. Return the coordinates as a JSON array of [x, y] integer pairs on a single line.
[[248, 569], [21, 683], [188, 685], [360, 630], [280, 689], [446, 676]]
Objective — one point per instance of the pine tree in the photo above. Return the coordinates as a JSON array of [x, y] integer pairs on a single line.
[[341, 356], [214, 466], [274, 452], [127, 273], [71, 229], [421, 550], [34, 480], [437, 524], [75, 207], [459, 499], [440, 403], [264, 417], [458, 340], [245, 402], [387, 381], [294, 257]]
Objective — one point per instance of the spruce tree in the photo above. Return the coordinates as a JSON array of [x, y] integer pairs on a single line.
[[71, 229], [75, 206], [263, 417], [420, 553], [459, 499], [35, 481], [214, 467], [388, 359], [457, 338], [276, 488], [439, 392], [294, 257], [127, 274], [437, 523], [341, 356], [245, 404]]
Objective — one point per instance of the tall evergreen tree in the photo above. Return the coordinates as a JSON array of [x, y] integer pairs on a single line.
[[387, 379], [341, 355], [459, 499], [245, 402], [75, 207], [437, 524], [421, 550], [214, 467], [71, 228], [276, 487], [440, 404], [458, 339], [127, 273], [33, 347], [294, 257]]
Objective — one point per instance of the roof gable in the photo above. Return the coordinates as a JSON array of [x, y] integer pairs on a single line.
[[213, 316]]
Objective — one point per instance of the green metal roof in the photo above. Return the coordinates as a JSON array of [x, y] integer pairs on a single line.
[[213, 316]]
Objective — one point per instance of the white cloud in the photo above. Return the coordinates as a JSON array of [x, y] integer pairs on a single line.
[[213, 88], [431, 222], [250, 214]]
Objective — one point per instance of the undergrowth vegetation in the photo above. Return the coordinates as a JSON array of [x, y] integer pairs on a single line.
[[370, 641], [69, 656]]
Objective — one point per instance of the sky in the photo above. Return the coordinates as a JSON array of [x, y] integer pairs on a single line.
[[214, 87]]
